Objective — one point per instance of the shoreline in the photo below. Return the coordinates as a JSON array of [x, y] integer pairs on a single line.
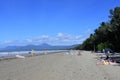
[[29, 55]]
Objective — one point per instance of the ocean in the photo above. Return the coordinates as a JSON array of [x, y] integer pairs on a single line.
[[24, 53]]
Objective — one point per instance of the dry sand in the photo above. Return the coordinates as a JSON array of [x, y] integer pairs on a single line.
[[58, 67]]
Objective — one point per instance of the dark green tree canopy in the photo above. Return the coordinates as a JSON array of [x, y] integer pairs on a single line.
[[106, 35]]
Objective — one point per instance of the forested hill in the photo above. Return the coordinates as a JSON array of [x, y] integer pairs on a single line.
[[43, 46], [107, 35]]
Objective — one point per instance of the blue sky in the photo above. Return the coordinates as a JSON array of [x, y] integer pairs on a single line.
[[57, 22]]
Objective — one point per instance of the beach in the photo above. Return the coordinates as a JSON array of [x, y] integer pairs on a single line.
[[58, 66]]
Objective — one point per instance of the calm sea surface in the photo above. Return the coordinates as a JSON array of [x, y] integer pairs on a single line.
[[28, 52]]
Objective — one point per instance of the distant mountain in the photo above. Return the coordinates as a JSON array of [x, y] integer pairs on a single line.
[[45, 45], [36, 47]]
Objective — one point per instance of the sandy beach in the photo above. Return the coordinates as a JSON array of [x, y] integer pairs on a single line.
[[59, 66]]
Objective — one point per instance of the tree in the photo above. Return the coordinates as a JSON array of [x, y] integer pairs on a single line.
[[107, 35], [101, 46], [115, 27]]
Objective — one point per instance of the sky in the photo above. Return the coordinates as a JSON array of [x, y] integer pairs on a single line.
[[56, 22]]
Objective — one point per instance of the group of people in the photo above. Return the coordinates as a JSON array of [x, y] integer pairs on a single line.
[[107, 60]]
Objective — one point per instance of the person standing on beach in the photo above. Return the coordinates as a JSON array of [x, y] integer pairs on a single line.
[[107, 55]]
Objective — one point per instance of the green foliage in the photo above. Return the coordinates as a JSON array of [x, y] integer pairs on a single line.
[[107, 35], [101, 46]]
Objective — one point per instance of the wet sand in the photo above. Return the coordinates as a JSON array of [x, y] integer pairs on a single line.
[[60, 66]]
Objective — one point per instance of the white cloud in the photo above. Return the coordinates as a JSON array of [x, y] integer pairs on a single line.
[[63, 37], [60, 34], [28, 40], [7, 42], [42, 39], [59, 39], [87, 32], [11, 43]]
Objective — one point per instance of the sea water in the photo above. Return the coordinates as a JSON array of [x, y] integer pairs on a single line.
[[14, 53]]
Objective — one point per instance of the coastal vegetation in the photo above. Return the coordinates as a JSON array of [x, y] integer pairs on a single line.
[[107, 35]]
